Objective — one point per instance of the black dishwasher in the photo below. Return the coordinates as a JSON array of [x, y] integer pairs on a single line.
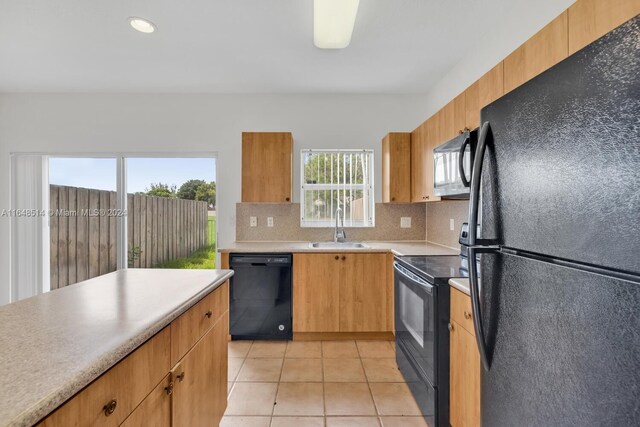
[[260, 297]]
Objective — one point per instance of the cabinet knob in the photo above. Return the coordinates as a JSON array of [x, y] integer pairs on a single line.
[[426, 197], [209, 314], [393, 199], [450, 327], [110, 407], [467, 315], [344, 257], [180, 376], [169, 389], [288, 199], [337, 257]]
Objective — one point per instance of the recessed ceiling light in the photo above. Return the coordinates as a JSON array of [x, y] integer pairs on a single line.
[[142, 25], [333, 22]]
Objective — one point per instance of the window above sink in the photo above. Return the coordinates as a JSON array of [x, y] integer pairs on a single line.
[[332, 179]]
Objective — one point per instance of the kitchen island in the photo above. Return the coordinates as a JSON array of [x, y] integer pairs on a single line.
[[57, 346]]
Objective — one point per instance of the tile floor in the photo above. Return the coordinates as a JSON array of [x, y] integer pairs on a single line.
[[317, 384]]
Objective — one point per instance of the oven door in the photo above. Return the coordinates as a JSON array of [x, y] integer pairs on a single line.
[[415, 319]]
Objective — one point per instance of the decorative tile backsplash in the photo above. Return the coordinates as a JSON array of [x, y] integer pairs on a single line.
[[286, 224], [439, 215]]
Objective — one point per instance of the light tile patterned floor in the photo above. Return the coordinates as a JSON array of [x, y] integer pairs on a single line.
[[317, 384]]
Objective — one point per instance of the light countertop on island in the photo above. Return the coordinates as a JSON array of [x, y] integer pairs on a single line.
[[398, 248], [55, 344]]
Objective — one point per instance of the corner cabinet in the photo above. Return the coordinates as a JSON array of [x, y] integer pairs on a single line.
[[396, 168], [267, 167], [342, 292], [144, 388], [464, 366]]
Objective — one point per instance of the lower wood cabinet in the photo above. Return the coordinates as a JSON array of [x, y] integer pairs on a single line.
[[464, 371], [345, 292], [144, 389]]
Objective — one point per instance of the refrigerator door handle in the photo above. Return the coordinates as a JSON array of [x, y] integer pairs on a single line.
[[475, 309], [474, 193], [463, 147]]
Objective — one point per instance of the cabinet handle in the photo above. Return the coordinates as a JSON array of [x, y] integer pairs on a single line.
[[450, 327], [344, 257], [110, 407], [426, 197], [180, 376], [467, 315], [337, 257], [169, 389], [209, 314]]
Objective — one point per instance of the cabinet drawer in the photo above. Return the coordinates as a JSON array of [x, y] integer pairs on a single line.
[[461, 310], [121, 388], [187, 329]]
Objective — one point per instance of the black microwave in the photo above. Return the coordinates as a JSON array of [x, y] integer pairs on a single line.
[[452, 163]]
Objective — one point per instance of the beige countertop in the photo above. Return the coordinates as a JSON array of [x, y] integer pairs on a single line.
[[460, 284], [398, 248], [55, 344]]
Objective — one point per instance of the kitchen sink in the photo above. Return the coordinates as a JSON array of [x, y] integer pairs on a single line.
[[338, 245]]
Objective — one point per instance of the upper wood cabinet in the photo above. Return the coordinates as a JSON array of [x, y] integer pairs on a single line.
[[472, 106], [545, 49], [591, 19], [458, 123], [267, 167], [423, 140], [396, 168], [491, 86], [342, 292]]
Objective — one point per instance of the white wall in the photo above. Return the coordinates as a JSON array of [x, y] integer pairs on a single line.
[[191, 123], [494, 44]]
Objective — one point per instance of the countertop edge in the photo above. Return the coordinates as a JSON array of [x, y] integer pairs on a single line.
[[50, 403], [301, 247], [460, 284]]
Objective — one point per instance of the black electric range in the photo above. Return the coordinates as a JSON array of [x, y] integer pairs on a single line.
[[422, 334]]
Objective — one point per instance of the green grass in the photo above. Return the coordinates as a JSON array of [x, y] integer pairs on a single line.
[[203, 258]]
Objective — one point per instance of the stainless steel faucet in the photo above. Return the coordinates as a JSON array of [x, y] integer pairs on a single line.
[[340, 236]]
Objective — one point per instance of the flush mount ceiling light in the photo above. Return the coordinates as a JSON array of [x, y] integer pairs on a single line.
[[142, 25], [333, 22]]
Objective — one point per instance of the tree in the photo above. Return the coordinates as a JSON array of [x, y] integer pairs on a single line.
[[187, 191], [207, 193], [161, 190]]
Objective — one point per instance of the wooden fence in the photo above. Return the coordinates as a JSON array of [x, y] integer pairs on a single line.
[[83, 231]]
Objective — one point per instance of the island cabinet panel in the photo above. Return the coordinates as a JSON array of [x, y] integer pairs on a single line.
[[111, 398], [396, 168], [364, 293], [545, 49], [316, 287], [267, 167], [155, 410], [464, 370], [342, 293], [200, 382], [187, 329], [592, 19]]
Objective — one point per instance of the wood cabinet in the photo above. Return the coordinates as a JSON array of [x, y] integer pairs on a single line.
[[545, 49], [591, 19], [464, 373], [342, 292], [267, 167], [199, 382], [396, 168], [423, 140], [144, 389]]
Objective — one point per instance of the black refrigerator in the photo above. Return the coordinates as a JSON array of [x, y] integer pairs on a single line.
[[554, 219]]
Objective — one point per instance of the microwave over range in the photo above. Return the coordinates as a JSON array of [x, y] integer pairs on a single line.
[[452, 166]]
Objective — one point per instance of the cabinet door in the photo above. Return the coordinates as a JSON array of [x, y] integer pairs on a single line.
[[155, 409], [472, 106], [592, 19], [545, 49], [491, 86], [464, 377], [396, 168], [459, 115], [199, 383], [418, 160], [316, 292], [266, 167], [364, 293]]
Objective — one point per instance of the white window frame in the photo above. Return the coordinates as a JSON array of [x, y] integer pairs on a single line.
[[367, 188]]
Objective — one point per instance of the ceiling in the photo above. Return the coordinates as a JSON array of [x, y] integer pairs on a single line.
[[234, 46]]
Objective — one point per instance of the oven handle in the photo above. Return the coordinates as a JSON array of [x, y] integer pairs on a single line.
[[428, 287]]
